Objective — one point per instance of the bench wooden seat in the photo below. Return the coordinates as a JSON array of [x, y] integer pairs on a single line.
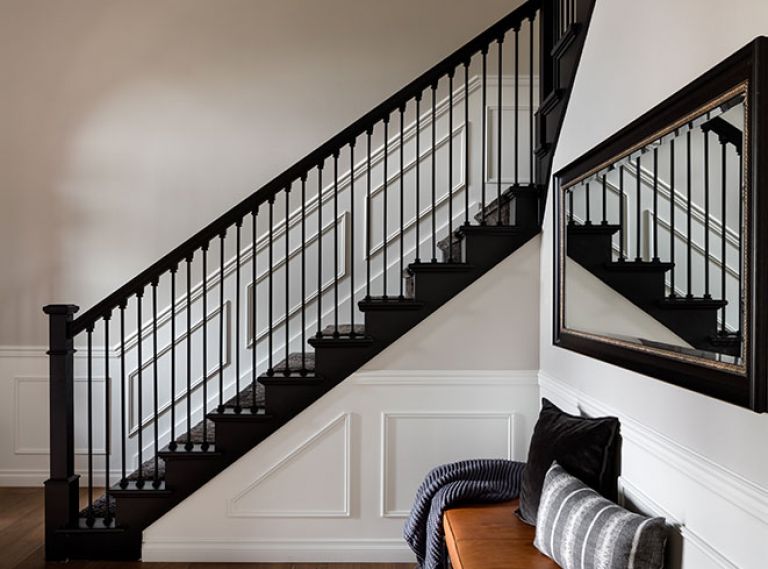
[[490, 536]]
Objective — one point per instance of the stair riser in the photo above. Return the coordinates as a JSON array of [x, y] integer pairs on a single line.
[[337, 362], [234, 438], [434, 289], [139, 511], [590, 251], [188, 474], [390, 325], [288, 400], [695, 326], [109, 546], [488, 250], [643, 289], [526, 206]]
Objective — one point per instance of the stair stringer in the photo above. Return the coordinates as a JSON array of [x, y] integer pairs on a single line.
[[484, 406]]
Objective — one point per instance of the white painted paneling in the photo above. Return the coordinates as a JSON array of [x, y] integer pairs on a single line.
[[412, 443]]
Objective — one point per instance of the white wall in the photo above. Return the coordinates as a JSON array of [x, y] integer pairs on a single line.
[[699, 461], [114, 113], [336, 483]]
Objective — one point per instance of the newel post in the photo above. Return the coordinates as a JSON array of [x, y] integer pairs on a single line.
[[61, 489]]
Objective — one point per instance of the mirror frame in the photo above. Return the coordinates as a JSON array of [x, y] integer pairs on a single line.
[[745, 385]]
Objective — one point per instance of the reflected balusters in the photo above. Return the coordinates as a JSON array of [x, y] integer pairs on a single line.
[[352, 290], [466, 146], [724, 231], [255, 304], [271, 287], [517, 108], [604, 220], [368, 206], [672, 229], [706, 216], [656, 204], [688, 216], [622, 214], [638, 209], [385, 209], [588, 205], [418, 176], [484, 134]]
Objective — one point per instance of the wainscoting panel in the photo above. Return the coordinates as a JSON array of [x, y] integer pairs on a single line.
[[414, 442], [336, 482]]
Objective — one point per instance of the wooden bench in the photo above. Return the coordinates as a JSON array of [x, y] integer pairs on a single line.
[[490, 536]]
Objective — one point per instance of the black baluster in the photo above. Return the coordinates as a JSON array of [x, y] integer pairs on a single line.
[[605, 202], [222, 237], [587, 193], [672, 200], [723, 226], [254, 305], [90, 516], [107, 418], [466, 145], [172, 445], [238, 312], [287, 280], [384, 208], [517, 105], [706, 215], [484, 156], [499, 137], [401, 280], [188, 444], [123, 434], [570, 207], [204, 324], [320, 249], [352, 237], [140, 380], [638, 205], [689, 257], [450, 166], [155, 388], [271, 291], [622, 249], [369, 214], [418, 176], [656, 204], [303, 274], [531, 173], [434, 173], [336, 244]]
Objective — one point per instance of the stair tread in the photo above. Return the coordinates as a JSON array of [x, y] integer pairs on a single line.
[[389, 303], [594, 229], [684, 302], [295, 363], [343, 330], [638, 266], [439, 267]]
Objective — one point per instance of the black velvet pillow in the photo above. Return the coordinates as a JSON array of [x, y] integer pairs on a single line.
[[585, 447]]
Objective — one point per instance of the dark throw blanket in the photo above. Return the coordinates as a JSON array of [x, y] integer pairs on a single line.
[[449, 485]]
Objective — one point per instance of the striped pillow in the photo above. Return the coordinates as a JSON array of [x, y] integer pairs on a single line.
[[579, 529]]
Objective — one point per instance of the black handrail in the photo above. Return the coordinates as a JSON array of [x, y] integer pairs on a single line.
[[311, 160]]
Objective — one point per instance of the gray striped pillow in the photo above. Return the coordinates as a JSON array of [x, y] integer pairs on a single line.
[[579, 529]]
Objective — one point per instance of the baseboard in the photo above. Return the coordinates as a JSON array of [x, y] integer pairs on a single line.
[[277, 551]]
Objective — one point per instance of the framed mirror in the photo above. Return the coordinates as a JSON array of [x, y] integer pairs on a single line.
[[658, 233]]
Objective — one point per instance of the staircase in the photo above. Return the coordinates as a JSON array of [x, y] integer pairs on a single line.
[[276, 302]]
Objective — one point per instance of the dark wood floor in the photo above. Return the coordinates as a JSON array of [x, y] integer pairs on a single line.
[[21, 542]]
